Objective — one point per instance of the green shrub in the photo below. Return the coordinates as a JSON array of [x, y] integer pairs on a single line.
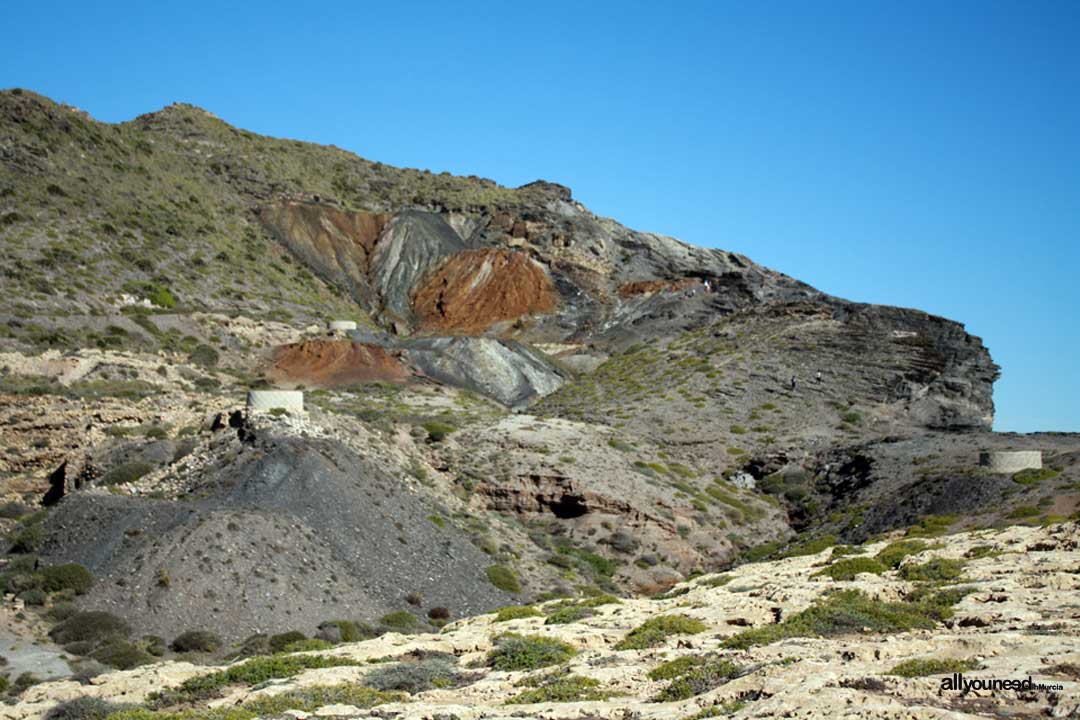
[[219, 713], [313, 697], [33, 597], [84, 708], [308, 645], [1024, 511], [894, 553], [503, 578], [121, 654], [810, 547], [515, 652], [760, 552], [205, 355], [931, 526], [27, 539], [159, 295], [676, 668], [562, 688], [847, 569], [850, 611], [348, 631], [655, 631], [738, 430], [695, 677], [400, 620], [938, 570], [413, 677], [196, 641], [279, 642], [921, 667], [89, 626], [249, 673], [437, 431], [126, 473], [568, 613], [516, 612], [1033, 476], [69, 576]]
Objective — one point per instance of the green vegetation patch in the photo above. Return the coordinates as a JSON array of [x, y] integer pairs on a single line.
[[248, 673], [894, 553], [936, 570], [810, 547], [515, 652], [846, 570], [849, 612], [516, 612], [657, 630], [503, 578], [921, 667], [561, 688], [69, 576], [693, 675], [1033, 476]]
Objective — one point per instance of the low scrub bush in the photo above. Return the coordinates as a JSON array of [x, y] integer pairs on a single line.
[[847, 569], [692, 675], [84, 708], [562, 688], [503, 578], [69, 576], [311, 698], [851, 611], [894, 553], [936, 570], [515, 652], [279, 642], [657, 630], [516, 612], [196, 641], [921, 667], [400, 620], [89, 626], [414, 677]]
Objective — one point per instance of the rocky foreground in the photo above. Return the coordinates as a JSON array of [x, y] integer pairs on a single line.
[[992, 604]]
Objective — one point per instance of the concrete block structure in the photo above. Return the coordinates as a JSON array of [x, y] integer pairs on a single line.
[[342, 325], [1010, 461], [267, 400]]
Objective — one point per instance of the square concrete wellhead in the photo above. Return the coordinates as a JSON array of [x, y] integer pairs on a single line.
[[267, 400]]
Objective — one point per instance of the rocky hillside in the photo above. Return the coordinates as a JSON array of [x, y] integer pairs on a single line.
[[537, 404], [867, 631]]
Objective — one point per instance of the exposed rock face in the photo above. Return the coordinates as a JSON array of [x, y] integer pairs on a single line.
[[505, 370], [329, 363], [414, 244], [245, 549], [335, 244], [476, 289]]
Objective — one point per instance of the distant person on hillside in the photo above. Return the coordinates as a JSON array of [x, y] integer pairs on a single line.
[[793, 383], [818, 376], [708, 288]]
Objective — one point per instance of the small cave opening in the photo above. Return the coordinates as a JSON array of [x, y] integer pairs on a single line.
[[568, 507]]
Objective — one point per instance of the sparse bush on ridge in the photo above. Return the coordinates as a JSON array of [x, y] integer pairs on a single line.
[[655, 631], [528, 652]]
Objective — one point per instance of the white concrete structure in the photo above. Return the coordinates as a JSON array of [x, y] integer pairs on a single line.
[[342, 325], [267, 400], [1010, 461]]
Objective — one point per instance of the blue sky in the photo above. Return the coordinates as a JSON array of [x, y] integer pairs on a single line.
[[924, 154]]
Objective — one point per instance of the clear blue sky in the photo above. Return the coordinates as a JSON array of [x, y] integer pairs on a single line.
[[924, 153]]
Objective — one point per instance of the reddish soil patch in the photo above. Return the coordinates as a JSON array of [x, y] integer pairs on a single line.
[[474, 289], [331, 363], [647, 287]]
